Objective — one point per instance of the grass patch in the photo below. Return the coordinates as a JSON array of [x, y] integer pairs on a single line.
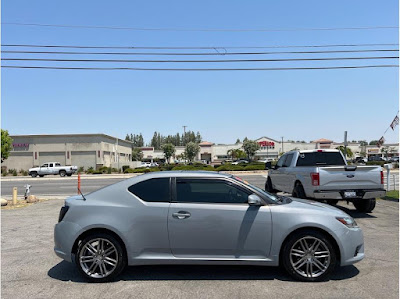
[[392, 195]]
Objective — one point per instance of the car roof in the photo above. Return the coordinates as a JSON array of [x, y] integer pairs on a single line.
[[188, 173]]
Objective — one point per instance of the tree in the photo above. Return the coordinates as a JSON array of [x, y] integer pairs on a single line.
[[363, 142], [236, 153], [169, 151], [237, 141], [347, 153], [191, 150], [386, 150], [6, 145], [137, 154], [250, 147], [373, 142]]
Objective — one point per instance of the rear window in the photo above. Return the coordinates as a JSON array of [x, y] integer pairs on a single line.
[[153, 190], [320, 159]]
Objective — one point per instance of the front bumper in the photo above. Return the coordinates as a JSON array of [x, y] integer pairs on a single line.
[[338, 194], [351, 243], [65, 234]]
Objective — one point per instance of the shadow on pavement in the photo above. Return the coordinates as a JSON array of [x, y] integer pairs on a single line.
[[65, 271], [354, 213]]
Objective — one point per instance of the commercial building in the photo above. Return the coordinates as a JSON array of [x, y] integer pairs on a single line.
[[82, 150]]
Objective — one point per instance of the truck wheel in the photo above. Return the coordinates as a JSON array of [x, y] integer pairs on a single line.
[[332, 202], [268, 186], [34, 174], [298, 191], [63, 173], [365, 205]]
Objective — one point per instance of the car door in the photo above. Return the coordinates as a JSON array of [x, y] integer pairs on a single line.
[[44, 169], [287, 178], [277, 173], [210, 218]]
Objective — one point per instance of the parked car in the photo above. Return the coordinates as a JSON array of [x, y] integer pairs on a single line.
[[325, 175], [375, 158], [265, 160], [360, 160], [237, 162], [179, 217], [52, 168], [145, 164], [394, 159]]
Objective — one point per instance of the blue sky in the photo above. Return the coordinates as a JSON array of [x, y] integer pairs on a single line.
[[223, 106]]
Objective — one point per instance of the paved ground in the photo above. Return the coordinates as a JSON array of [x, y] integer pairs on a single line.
[[30, 269]]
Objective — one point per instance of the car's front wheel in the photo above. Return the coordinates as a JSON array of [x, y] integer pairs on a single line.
[[100, 257], [308, 256]]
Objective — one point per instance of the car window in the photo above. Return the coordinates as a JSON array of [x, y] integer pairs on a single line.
[[45, 165], [58, 164], [51, 165], [152, 190], [320, 158], [288, 160], [210, 191], [281, 161]]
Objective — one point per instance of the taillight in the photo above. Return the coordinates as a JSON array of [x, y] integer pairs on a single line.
[[63, 211], [382, 182], [314, 178]]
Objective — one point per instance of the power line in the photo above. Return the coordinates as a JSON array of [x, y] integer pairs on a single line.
[[194, 69], [196, 61], [200, 29], [202, 54], [193, 48]]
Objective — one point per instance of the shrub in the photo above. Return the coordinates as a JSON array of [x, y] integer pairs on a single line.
[[23, 172], [381, 163], [4, 172], [129, 170], [97, 172], [103, 169], [81, 169], [90, 170], [255, 167], [14, 172], [115, 170], [123, 168], [396, 165]]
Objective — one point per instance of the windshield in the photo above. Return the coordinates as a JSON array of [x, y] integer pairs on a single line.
[[270, 196]]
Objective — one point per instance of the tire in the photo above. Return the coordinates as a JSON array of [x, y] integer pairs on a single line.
[[41, 175], [298, 191], [69, 174], [102, 269], [63, 173], [268, 186], [365, 205], [34, 174], [317, 262], [332, 202]]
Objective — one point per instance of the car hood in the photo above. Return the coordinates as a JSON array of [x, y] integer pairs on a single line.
[[316, 206]]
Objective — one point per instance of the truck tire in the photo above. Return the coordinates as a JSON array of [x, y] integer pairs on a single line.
[[298, 191], [34, 174], [63, 173], [41, 175], [268, 186], [69, 174], [365, 205]]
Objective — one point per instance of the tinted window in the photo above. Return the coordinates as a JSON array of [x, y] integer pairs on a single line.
[[45, 165], [51, 165], [320, 158], [288, 160], [58, 164], [209, 191], [154, 190], [281, 161]]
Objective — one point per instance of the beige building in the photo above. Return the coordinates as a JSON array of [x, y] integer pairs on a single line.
[[82, 150]]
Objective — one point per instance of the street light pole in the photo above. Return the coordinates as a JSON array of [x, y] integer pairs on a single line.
[[184, 135], [282, 144]]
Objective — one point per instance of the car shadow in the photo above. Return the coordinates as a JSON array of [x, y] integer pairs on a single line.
[[65, 271], [354, 213]]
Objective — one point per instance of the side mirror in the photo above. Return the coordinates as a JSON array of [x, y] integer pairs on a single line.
[[254, 200]]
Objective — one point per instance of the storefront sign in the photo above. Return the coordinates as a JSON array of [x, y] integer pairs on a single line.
[[266, 143], [19, 145]]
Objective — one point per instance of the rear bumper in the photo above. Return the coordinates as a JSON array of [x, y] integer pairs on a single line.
[[338, 194]]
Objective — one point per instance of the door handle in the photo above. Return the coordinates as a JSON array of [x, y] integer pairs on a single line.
[[181, 215]]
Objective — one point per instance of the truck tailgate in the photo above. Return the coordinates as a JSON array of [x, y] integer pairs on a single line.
[[337, 178]]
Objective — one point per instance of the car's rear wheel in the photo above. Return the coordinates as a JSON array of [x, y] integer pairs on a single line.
[[308, 256], [100, 257], [268, 186], [365, 205], [298, 191], [63, 173]]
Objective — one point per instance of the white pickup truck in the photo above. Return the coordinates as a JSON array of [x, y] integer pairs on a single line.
[[53, 168], [325, 175]]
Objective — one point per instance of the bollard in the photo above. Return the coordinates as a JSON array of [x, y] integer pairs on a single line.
[[79, 182], [14, 196]]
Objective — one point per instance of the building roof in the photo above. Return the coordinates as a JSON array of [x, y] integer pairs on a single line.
[[323, 140], [205, 143], [266, 138]]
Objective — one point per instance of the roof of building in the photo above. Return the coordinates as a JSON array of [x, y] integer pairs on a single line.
[[266, 138], [205, 143], [323, 140]]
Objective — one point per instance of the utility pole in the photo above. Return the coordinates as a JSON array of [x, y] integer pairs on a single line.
[[184, 136], [345, 144], [282, 144]]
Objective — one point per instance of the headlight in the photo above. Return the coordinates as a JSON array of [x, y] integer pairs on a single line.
[[348, 221]]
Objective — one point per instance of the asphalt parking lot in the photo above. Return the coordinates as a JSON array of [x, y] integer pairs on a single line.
[[30, 269]]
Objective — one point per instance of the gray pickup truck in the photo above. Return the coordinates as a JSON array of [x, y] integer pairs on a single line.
[[52, 168], [325, 176]]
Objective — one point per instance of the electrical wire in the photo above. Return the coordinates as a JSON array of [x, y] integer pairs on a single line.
[[194, 48], [201, 54], [199, 29], [197, 61], [193, 69]]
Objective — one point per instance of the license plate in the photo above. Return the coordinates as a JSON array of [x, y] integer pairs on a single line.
[[349, 194]]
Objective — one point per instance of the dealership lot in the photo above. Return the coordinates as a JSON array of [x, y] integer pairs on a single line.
[[31, 269]]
